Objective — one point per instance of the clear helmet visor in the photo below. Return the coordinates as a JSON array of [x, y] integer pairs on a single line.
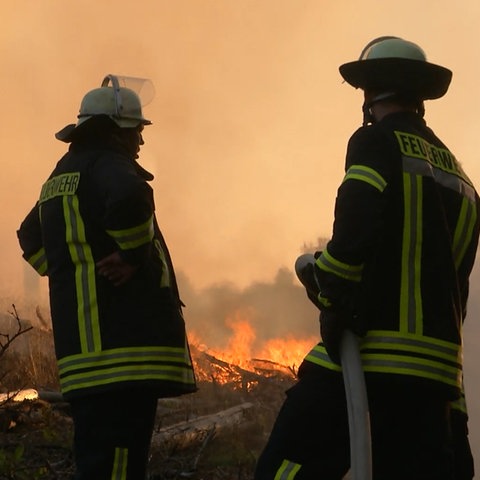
[[143, 87], [122, 102]]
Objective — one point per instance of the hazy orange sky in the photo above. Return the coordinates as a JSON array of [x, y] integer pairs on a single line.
[[250, 117]]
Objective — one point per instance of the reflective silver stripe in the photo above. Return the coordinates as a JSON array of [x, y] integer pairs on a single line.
[[445, 179], [454, 183], [366, 174], [287, 471], [440, 158], [417, 167], [468, 191]]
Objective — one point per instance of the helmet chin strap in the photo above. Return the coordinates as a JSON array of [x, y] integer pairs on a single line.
[[368, 117]]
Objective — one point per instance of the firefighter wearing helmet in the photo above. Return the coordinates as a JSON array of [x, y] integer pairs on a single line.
[[116, 312], [395, 272], [390, 67]]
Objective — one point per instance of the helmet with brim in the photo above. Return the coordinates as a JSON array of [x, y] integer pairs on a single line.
[[397, 65]]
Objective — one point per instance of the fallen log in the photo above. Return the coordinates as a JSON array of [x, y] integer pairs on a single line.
[[19, 395], [185, 433], [50, 396], [29, 394]]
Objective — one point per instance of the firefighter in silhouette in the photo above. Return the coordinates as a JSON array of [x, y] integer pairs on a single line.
[[117, 316], [395, 271]]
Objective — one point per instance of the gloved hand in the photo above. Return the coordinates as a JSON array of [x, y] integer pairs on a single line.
[[306, 272], [332, 325], [311, 284]]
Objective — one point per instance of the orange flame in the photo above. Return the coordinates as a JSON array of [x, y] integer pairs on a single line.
[[288, 351], [239, 349]]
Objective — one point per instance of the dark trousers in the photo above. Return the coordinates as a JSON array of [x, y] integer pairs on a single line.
[[464, 463], [410, 434], [112, 434]]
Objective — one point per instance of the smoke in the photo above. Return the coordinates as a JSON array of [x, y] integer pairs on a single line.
[[235, 138], [250, 125], [278, 309]]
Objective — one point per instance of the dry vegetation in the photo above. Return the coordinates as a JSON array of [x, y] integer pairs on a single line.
[[216, 433]]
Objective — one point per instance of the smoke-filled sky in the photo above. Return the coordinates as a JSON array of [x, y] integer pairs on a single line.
[[250, 117]]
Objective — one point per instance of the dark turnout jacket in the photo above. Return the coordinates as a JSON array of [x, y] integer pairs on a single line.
[[404, 243], [97, 201]]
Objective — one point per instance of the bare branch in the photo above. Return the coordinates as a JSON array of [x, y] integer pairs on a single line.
[[6, 339]]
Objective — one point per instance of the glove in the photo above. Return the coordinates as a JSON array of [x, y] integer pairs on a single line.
[[307, 274], [311, 284], [332, 325]]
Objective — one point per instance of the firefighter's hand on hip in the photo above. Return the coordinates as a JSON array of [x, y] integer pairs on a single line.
[[116, 269]]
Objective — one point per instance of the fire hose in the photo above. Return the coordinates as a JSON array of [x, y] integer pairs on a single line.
[[355, 391]]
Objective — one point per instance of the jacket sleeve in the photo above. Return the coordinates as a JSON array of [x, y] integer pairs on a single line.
[[359, 210], [30, 238], [128, 207]]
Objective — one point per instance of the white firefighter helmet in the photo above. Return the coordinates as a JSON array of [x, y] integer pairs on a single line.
[[121, 102], [394, 64]]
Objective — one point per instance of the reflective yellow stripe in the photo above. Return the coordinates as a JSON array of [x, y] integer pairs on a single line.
[[319, 356], [366, 174], [326, 302], [410, 293], [39, 261], [464, 230], [409, 354], [85, 284], [120, 463], [399, 341], [165, 281], [395, 353], [135, 236], [128, 364], [130, 373], [328, 263], [459, 405], [287, 471], [413, 366], [122, 355]]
